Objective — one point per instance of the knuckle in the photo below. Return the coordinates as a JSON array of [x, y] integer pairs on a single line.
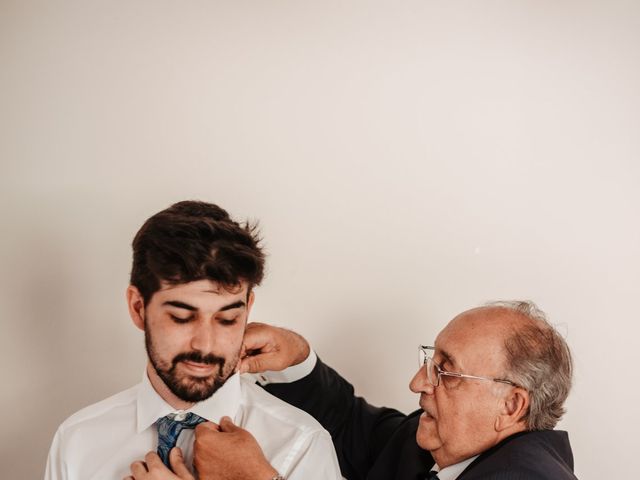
[[201, 442]]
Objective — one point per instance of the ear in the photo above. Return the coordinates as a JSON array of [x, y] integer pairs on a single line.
[[515, 405], [252, 297], [135, 302]]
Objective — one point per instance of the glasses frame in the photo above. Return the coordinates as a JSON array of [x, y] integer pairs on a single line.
[[424, 350]]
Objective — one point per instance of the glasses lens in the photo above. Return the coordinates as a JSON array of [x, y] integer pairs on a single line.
[[432, 372]]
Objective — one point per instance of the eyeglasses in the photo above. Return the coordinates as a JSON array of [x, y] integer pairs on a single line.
[[435, 371]]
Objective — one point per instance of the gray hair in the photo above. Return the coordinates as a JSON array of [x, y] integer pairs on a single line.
[[538, 359]]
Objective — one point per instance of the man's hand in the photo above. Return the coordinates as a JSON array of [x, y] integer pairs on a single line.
[[153, 469], [271, 348], [228, 452]]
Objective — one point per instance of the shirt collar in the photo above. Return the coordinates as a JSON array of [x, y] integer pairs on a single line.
[[453, 471], [151, 406]]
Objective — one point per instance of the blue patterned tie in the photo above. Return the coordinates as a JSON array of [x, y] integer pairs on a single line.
[[169, 428]]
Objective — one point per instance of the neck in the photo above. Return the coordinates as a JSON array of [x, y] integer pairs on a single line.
[[512, 430], [161, 389], [443, 460]]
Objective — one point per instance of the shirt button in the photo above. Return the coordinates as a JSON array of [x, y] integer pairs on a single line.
[[180, 416]]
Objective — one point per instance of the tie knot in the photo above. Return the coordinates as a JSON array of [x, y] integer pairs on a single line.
[[184, 418], [169, 428]]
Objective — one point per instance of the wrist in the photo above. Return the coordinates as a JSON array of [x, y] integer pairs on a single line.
[[302, 349]]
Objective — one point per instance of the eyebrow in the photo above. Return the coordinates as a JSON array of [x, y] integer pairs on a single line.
[[191, 308], [233, 305], [185, 306]]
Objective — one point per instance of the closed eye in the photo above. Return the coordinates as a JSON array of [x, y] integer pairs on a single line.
[[177, 319], [227, 322]]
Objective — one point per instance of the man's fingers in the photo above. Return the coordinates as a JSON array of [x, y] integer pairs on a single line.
[[271, 348], [153, 461], [253, 364], [258, 337], [138, 469], [207, 427], [177, 464], [227, 425]]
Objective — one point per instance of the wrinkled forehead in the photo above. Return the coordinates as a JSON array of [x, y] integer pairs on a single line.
[[474, 338]]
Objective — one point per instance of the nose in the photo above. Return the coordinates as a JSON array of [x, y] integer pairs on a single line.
[[203, 337], [420, 383]]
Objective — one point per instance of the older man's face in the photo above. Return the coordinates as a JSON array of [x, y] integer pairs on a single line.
[[460, 414]]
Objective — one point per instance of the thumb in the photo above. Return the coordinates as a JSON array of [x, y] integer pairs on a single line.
[[227, 425], [177, 464], [253, 364]]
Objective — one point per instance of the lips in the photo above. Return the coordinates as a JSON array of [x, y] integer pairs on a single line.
[[198, 369], [428, 412]]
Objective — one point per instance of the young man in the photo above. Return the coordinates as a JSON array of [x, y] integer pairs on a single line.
[[191, 292]]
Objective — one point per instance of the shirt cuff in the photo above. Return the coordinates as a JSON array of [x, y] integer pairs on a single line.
[[290, 374]]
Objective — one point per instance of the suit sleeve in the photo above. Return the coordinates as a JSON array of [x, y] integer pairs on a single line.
[[359, 430]]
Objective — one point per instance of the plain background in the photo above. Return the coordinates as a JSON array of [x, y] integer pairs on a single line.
[[407, 161]]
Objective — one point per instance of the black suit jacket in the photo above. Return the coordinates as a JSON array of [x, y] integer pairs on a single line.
[[376, 443]]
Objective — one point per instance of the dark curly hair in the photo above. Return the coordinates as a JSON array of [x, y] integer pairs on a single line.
[[193, 240]]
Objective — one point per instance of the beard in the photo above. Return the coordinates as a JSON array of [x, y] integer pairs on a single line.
[[187, 387]]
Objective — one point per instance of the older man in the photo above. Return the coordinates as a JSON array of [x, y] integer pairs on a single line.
[[491, 391]]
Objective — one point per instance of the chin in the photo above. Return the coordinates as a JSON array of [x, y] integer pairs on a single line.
[[427, 439]]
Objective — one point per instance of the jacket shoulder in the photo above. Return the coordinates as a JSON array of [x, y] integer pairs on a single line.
[[537, 455]]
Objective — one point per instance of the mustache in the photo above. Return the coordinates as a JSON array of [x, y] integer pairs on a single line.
[[197, 357]]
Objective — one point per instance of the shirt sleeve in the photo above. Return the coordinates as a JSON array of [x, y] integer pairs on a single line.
[[55, 469], [288, 375], [316, 460]]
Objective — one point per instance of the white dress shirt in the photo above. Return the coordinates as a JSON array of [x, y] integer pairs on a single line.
[[101, 441], [289, 374], [453, 471]]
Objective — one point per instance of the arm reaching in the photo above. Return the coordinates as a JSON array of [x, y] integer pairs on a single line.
[[360, 432]]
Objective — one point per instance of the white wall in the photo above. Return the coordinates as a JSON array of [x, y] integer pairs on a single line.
[[407, 160]]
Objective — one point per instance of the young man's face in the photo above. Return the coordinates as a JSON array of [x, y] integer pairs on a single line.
[[193, 335]]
